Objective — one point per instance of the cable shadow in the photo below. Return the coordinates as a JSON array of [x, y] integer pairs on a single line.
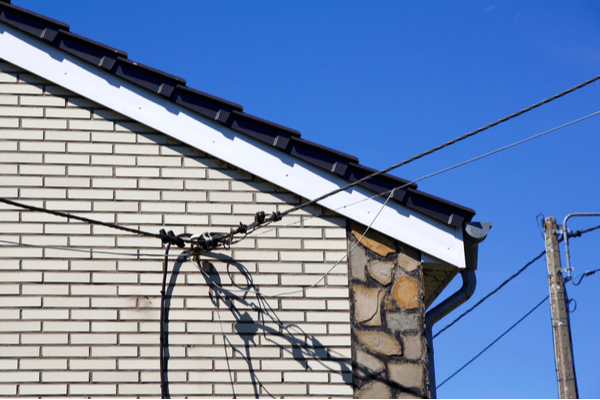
[[290, 338]]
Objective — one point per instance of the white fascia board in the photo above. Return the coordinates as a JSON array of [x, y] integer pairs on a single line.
[[419, 231]]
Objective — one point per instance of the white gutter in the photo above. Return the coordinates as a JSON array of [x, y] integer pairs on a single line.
[[419, 231]]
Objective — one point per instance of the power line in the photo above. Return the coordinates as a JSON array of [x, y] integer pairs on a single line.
[[444, 145], [492, 292], [209, 241], [494, 342], [576, 234], [434, 173], [162, 235]]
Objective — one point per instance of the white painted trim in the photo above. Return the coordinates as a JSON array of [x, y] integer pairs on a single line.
[[429, 236]]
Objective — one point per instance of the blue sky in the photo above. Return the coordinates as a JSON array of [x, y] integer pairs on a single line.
[[386, 80]]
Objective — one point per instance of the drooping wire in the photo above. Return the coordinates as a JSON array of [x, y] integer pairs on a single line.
[[164, 390], [494, 342], [164, 341], [578, 233], [281, 294], [585, 274]]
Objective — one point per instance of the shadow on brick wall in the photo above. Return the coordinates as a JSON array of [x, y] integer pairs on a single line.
[[264, 329]]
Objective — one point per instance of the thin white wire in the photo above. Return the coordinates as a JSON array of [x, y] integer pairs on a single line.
[[451, 168], [476, 158], [282, 294], [91, 251], [391, 192]]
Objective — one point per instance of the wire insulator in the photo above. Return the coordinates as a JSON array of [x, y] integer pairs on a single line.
[[276, 216], [171, 238], [242, 228], [259, 218]]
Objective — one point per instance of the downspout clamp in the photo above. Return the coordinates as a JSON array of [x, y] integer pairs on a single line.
[[473, 234]]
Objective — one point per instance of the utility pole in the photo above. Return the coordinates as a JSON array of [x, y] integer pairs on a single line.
[[561, 326]]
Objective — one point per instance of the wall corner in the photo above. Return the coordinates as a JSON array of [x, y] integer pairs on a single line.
[[389, 353]]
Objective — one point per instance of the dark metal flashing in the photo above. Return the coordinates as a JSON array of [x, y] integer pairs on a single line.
[[229, 114]]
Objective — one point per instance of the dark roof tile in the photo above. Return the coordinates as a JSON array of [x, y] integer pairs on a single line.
[[152, 79], [35, 24], [88, 50], [204, 104], [262, 130], [321, 156], [229, 114]]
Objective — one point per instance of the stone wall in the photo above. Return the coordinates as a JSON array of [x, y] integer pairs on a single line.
[[389, 357]]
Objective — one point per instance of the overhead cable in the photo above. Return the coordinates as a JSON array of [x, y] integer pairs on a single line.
[[209, 241], [442, 146], [162, 235], [494, 342], [443, 170], [576, 234], [491, 293]]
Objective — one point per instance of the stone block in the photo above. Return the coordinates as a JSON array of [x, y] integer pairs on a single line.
[[375, 241], [358, 262], [406, 292], [381, 271], [367, 305], [408, 258], [375, 390], [401, 322], [406, 375], [413, 348], [367, 365], [379, 342]]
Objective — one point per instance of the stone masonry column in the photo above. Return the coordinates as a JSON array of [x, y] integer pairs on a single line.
[[389, 357]]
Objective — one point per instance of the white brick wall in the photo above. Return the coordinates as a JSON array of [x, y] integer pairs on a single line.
[[87, 324]]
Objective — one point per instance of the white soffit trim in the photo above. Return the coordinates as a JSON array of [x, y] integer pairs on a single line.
[[429, 236]]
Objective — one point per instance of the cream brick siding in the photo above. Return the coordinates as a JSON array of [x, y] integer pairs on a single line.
[[83, 323]]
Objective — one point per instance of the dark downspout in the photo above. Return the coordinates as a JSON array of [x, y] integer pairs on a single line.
[[473, 234]]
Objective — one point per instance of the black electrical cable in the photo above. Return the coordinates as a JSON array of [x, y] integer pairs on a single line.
[[491, 293], [494, 342], [440, 147], [163, 329], [279, 215], [165, 238], [581, 232], [164, 342], [586, 273]]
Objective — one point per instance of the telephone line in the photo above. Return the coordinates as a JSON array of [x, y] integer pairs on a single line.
[[576, 234], [494, 342], [442, 146], [163, 236]]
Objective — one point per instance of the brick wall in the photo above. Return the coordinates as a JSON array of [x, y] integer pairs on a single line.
[[87, 324]]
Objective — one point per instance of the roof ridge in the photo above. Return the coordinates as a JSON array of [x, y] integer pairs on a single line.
[[227, 113]]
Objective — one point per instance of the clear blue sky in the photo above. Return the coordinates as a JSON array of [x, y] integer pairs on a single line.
[[387, 80]]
